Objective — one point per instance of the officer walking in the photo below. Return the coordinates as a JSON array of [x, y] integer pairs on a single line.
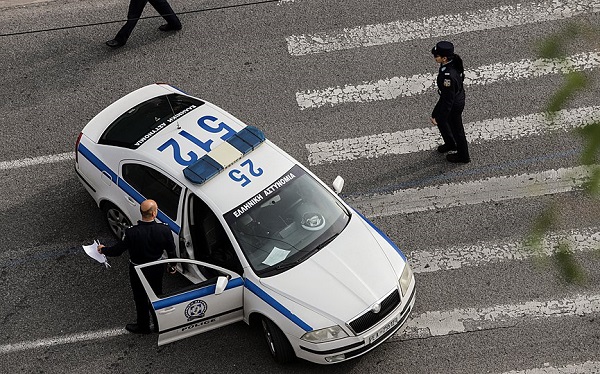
[[145, 242], [136, 7], [447, 114]]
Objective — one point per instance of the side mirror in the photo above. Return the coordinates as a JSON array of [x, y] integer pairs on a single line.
[[221, 284], [338, 184]]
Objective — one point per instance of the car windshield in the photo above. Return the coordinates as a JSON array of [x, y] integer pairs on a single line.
[[289, 221]]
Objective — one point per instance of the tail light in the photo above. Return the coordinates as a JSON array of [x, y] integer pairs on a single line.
[[77, 147]]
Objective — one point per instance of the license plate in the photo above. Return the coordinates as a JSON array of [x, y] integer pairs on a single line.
[[383, 330]]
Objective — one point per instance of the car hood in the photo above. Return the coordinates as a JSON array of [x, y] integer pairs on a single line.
[[343, 279]]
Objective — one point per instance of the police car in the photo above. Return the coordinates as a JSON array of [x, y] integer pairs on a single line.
[[259, 237]]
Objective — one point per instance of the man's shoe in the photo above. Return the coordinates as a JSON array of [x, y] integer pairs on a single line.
[[136, 329], [455, 158], [446, 148], [114, 43], [169, 27]]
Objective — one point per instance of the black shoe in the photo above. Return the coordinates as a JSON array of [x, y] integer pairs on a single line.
[[446, 148], [114, 43], [136, 329], [169, 27], [455, 158]]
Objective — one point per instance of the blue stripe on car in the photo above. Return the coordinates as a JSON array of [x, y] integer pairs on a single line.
[[124, 185], [194, 294], [276, 305], [97, 162], [383, 235]]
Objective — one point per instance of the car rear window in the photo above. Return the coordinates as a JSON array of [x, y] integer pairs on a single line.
[[145, 120]]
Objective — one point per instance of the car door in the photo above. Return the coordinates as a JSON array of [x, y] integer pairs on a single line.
[[191, 309]]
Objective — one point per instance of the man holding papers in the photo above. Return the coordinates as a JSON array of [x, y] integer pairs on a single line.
[[145, 242]]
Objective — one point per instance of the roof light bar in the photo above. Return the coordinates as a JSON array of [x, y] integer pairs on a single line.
[[225, 154]]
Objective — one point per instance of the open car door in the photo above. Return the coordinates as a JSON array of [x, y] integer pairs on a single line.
[[185, 309]]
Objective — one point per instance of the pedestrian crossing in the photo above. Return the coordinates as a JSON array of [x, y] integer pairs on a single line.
[[349, 152], [427, 139], [397, 87], [439, 26]]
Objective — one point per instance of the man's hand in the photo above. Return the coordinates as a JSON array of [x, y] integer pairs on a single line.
[[100, 246], [433, 121]]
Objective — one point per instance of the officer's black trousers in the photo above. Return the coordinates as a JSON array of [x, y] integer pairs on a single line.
[[453, 131], [154, 275], [136, 7]]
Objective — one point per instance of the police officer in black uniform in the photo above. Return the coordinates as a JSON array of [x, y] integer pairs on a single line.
[[145, 242], [447, 114], [136, 7]]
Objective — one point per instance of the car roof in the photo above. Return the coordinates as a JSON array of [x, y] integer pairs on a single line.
[[185, 139]]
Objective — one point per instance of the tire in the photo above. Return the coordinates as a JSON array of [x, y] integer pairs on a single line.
[[116, 220], [279, 346]]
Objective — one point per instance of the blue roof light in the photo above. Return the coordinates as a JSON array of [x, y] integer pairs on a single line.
[[207, 167]]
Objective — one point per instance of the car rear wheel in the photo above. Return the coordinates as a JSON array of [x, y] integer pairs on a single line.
[[280, 347], [117, 221]]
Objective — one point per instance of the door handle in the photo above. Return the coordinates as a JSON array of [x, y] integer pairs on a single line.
[[106, 178], [166, 310], [131, 200]]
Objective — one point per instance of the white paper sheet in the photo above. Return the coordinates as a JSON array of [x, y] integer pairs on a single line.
[[276, 256], [92, 251]]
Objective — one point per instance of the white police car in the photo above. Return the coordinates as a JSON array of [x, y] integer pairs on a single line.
[[258, 235]]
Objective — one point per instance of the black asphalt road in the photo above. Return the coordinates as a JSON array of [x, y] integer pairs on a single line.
[[234, 54]]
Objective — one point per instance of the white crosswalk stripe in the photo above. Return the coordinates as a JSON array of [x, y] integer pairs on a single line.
[[430, 27], [585, 367], [457, 257], [488, 190], [440, 323], [424, 139], [392, 88]]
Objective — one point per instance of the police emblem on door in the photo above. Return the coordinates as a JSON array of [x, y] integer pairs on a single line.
[[195, 309]]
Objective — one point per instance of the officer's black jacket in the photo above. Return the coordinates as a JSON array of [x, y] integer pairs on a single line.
[[451, 90], [145, 242]]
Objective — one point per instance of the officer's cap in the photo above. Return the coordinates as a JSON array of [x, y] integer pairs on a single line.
[[443, 49]]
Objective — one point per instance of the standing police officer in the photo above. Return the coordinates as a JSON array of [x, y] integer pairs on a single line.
[[145, 242], [447, 114]]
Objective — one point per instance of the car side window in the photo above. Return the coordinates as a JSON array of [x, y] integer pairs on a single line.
[[154, 185]]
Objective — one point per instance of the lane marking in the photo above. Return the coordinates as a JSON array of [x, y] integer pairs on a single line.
[[493, 189], [32, 161], [430, 261], [392, 88], [425, 139], [449, 24], [484, 253], [59, 340], [457, 321], [585, 367]]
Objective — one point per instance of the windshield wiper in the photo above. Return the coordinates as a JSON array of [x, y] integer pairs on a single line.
[[322, 245]]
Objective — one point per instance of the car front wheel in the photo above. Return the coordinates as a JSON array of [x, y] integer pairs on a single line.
[[280, 347], [117, 221]]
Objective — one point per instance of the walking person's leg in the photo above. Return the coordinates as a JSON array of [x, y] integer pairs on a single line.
[[136, 7], [446, 133], [458, 133], [164, 9]]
